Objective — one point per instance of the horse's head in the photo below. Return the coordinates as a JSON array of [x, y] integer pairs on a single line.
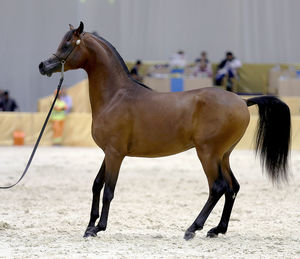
[[70, 51]]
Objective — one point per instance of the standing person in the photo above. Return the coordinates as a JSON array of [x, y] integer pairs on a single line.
[[203, 66], [228, 67], [135, 73], [58, 117], [8, 104]]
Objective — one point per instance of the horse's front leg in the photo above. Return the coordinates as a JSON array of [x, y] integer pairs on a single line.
[[111, 172], [97, 187]]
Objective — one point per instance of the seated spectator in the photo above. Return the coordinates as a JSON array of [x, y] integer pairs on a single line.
[[67, 99], [135, 73], [228, 67], [178, 60], [202, 67], [7, 104]]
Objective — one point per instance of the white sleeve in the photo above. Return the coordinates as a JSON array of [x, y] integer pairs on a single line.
[[236, 64]]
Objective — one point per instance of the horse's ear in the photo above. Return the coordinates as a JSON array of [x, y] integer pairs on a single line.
[[71, 27], [79, 30]]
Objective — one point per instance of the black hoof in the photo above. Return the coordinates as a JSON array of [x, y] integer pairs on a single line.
[[90, 232], [211, 234], [215, 231], [188, 235]]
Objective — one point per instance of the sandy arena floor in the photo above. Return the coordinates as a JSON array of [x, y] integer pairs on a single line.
[[155, 201]]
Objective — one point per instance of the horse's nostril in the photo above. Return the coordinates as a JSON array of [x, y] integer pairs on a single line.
[[42, 67]]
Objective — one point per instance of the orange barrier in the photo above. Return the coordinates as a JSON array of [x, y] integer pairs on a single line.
[[19, 137]]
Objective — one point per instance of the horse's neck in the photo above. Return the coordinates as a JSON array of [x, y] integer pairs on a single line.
[[106, 77], [102, 89]]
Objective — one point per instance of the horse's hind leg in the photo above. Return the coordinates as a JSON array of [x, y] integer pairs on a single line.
[[229, 198], [97, 186], [217, 187]]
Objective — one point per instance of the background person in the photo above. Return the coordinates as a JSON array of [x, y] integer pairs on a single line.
[[228, 67], [67, 99], [203, 66], [8, 104], [178, 60], [58, 117], [135, 71]]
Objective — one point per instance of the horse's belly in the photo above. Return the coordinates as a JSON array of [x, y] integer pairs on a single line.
[[159, 153], [158, 147]]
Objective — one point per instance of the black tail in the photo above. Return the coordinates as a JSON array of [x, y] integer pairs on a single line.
[[273, 135]]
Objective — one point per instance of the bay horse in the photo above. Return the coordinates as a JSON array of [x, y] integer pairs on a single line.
[[130, 119]]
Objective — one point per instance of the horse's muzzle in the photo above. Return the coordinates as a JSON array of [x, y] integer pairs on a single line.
[[48, 68], [42, 68]]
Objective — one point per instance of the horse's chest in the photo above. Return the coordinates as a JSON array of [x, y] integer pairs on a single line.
[[108, 132]]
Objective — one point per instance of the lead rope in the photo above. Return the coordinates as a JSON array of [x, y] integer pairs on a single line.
[[42, 130]]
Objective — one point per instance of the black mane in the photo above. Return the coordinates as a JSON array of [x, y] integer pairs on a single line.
[[118, 56]]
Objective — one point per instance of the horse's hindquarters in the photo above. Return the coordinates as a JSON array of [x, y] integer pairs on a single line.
[[221, 120], [167, 124]]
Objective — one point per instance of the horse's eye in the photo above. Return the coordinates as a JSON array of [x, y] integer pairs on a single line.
[[65, 46]]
